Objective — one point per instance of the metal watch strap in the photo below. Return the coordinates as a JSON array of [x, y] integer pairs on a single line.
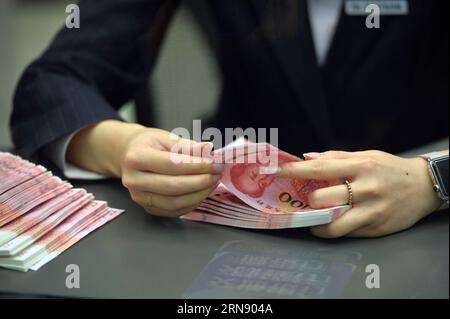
[[430, 157]]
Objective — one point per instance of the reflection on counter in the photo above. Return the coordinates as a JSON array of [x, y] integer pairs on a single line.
[[260, 270]]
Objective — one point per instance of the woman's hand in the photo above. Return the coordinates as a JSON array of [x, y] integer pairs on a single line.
[[162, 181], [390, 193]]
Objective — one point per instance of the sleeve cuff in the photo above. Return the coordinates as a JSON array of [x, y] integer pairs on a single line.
[[56, 152]]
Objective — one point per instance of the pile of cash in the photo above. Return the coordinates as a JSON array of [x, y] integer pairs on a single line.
[[40, 215], [251, 196]]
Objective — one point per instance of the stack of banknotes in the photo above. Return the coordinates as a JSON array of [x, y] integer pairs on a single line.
[[40, 215], [250, 195]]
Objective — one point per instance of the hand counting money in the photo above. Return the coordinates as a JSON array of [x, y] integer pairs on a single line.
[[250, 197], [41, 215]]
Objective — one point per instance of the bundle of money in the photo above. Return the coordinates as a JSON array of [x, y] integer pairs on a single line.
[[251, 196], [40, 215]]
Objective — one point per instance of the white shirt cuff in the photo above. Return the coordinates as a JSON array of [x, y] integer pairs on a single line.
[[56, 152]]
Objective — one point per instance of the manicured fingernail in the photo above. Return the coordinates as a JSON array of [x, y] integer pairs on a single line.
[[208, 144], [216, 178], [312, 155], [218, 168], [207, 150], [269, 170]]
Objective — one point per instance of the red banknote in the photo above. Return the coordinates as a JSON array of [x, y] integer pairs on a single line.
[[251, 196], [40, 214]]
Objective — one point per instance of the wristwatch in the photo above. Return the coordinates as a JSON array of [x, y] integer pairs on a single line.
[[438, 169]]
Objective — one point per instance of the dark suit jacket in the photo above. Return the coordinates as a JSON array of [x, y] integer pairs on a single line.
[[381, 88]]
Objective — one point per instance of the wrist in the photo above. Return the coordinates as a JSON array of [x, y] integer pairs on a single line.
[[101, 146], [432, 201], [118, 134]]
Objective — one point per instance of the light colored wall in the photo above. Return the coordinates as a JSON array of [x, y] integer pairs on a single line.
[[185, 78], [25, 30]]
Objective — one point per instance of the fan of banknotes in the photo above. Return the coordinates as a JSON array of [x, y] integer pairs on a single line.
[[41, 216], [250, 196]]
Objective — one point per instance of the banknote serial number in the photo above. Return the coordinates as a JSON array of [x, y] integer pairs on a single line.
[[226, 308]]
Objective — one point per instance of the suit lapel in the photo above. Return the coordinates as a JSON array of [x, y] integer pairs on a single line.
[[352, 44], [294, 51]]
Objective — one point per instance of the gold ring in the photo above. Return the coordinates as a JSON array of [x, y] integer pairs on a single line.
[[350, 193]]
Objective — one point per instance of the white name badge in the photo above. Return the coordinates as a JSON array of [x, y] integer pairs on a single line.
[[387, 7]]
